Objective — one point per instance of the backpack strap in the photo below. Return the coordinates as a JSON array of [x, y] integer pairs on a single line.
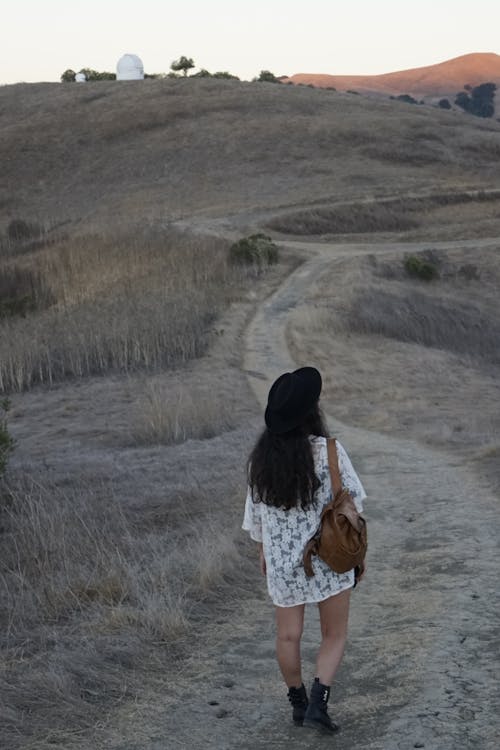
[[333, 465]]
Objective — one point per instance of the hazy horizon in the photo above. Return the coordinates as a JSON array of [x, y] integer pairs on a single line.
[[39, 41]]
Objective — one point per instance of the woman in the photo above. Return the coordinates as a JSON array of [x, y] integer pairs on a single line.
[[289, 484]]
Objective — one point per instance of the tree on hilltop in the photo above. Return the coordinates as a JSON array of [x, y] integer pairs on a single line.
[[183, 63], [267, 77], [68, 76]]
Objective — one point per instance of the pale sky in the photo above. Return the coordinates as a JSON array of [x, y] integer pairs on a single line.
[[39, 39]]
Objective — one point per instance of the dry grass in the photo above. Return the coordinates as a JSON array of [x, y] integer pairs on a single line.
[[138, 299], [176, 147], [88, 592], [173, 416], [389, 215], [114, 556], [408, 357]]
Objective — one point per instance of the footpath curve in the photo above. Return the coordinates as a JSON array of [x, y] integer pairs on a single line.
[[420, 666], [420, 669]]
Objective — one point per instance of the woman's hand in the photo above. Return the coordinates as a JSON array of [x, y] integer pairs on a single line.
[[262, 560]]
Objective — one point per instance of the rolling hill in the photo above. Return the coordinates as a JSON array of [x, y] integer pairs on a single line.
[[129, 151], [442, 79]]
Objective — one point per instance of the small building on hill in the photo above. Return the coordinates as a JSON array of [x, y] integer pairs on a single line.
[[129, 68]]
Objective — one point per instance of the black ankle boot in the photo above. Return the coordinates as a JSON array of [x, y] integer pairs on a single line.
[[298, 699], [316, 715]]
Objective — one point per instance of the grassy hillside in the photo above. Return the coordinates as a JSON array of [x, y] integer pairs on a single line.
[[122, 336], [82, 153]]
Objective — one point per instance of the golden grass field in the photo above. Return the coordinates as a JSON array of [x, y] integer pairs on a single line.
[[123, 359]]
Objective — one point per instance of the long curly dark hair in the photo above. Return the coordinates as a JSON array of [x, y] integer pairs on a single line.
[[281, 467]]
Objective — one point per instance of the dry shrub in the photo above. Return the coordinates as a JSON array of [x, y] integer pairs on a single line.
[[86, 594], [141, 299], [23, 290], [345, 219], [393, 215], [175, 415], [462, 327]]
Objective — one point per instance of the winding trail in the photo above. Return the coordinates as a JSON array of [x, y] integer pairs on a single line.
[[421, 666]]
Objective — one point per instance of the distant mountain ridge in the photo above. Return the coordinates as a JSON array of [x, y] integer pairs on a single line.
[[442, 79]]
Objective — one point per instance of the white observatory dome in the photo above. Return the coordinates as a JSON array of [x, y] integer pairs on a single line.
[[129, 68], [80, 78]]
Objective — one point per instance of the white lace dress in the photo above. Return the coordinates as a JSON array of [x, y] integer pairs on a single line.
[[284, 534]]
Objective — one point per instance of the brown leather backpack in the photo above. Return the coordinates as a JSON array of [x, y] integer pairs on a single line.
[[341, 539]]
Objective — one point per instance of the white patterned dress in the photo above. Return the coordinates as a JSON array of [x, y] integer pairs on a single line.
[[284, 534]]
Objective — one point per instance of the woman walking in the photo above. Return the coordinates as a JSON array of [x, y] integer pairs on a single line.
[[289, 484]]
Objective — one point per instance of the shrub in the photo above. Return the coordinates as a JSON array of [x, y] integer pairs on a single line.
[[20, 230], [23, 290], [97, 75], [267, 77], [480, 102], [256, 250], [68, 76], [224, 74], [422, 269], [6, 441], [470, 272], [203, 73], [444, 104], [405, 98]]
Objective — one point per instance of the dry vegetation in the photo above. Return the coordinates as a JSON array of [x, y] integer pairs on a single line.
[[196, 147], [173, 416], [392, 215], [407, 356], [114, 549], [94, 598], [101, 300], [111, 303]]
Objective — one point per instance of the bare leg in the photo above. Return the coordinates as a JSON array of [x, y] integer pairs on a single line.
[[334, 614], [289, 626]]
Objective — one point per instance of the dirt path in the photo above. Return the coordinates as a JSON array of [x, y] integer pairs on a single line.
[[421, 668]]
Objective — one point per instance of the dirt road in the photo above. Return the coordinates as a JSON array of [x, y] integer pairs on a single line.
[[421, 667], [423, 655]]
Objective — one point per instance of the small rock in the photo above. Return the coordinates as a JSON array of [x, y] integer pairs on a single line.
[[213, 703], [411, 519], [228, 683], [419, 744], [221, 713], [475, 596], [466, 714]]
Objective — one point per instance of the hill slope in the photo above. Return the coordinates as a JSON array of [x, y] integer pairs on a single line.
[[174, 148], [445, 78]]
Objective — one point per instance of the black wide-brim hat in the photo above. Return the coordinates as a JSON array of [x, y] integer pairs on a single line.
[[291, 398]]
